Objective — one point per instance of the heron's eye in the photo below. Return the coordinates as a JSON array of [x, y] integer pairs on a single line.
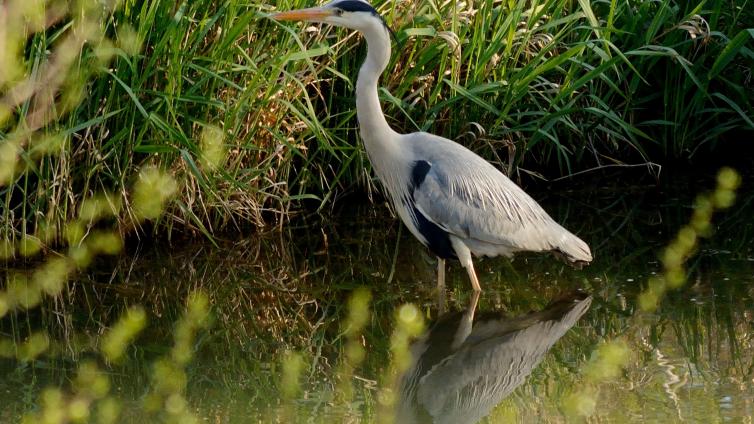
[[338, 12]]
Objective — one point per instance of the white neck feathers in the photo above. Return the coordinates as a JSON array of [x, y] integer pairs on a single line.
[[375, 131]]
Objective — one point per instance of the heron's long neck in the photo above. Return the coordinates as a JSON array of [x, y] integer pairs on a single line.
[[377, 135]]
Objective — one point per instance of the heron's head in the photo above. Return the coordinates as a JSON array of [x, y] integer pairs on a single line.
[[354, 14]]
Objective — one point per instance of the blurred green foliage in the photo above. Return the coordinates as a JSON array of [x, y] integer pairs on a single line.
[[612, 356]]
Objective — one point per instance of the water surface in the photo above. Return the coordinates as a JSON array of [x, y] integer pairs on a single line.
[[692, 360]]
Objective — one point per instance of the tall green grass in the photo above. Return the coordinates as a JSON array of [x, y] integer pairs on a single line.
[[695, 60], [549, 84]]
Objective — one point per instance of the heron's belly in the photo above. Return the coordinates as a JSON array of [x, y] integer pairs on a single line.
[[481, 248], [436, 239]]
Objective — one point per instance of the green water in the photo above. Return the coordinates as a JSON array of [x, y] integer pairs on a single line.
[[691, 361]]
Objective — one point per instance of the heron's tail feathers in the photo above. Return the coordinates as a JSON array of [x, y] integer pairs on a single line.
[[572, 249]]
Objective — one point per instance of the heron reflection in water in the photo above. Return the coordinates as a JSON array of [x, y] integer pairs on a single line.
[[462, 368]]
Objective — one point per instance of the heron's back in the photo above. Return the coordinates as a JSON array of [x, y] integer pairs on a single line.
[[472, 200]]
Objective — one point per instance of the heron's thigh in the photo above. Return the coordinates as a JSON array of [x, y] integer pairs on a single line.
[[462, 251]]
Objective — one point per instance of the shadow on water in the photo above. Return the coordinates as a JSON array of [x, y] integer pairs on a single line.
[[691, 360]]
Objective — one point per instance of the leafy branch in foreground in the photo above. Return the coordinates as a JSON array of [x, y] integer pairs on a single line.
[[90, 393], [611, 356]]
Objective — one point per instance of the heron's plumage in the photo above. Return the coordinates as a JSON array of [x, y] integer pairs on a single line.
[[434, 236], [452, 200], [477, 203]]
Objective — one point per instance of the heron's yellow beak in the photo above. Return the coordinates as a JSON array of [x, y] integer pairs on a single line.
[[310, 14]]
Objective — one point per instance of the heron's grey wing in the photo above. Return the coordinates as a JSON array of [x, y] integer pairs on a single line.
[[471, 199]]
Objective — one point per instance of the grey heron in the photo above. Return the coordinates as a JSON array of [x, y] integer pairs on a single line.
[[456, 203]]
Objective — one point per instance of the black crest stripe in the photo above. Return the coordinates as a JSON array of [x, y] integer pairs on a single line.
[[355, 6], [360, 6]]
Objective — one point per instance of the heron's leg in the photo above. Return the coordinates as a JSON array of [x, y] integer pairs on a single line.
[[472, 277], [472, 304], [440, 273], [464, 256], [441, 285]]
